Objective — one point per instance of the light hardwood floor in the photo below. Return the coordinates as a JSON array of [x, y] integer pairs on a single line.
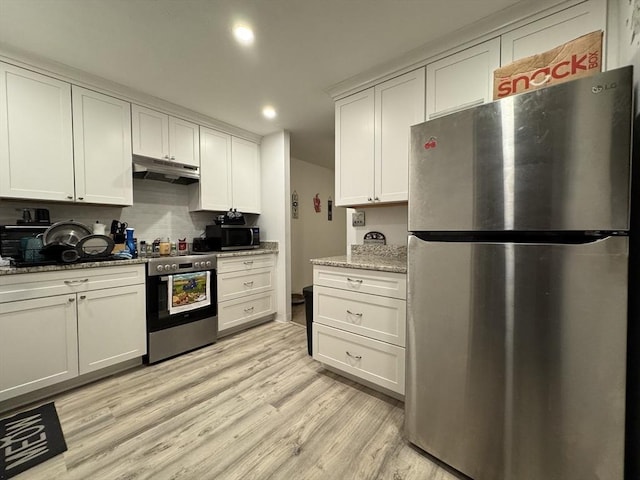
[[252, 406]]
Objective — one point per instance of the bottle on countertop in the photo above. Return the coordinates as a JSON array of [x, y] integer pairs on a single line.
[[165, 246], [143, 248]]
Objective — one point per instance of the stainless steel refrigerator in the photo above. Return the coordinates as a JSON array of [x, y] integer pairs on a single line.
[[517, 283]]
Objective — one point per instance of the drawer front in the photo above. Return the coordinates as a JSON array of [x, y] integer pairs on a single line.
[[46, 284], [240, 284], [245, 263], [382, 318], [387, 284], [377, 362], [244, 310]]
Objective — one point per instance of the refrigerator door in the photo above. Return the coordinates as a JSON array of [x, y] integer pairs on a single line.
[[516, 357], [554, 159]]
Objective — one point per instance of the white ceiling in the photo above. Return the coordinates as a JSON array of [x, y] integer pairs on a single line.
[[182, 51]]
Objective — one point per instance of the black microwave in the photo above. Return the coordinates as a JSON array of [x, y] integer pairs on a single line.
[[231, 237]]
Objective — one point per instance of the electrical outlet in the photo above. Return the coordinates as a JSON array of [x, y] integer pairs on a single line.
[[357, 219]]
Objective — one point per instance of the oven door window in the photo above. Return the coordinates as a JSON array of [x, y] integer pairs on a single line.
[[186, 308], [188, 291]]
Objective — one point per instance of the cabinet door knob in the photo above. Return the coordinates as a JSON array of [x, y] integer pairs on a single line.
[[70, 197], [369, 199], [376, 199], [82, 297], [71, 300], [80, 198], [172, 157], [166, 157]]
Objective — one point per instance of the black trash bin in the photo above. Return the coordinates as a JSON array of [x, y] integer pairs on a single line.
[[308, 307]]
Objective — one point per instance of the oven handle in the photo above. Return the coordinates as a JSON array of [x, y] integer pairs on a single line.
[[251, 231], [164, 278]]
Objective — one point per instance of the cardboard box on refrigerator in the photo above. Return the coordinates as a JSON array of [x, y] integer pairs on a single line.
[[575, 59]]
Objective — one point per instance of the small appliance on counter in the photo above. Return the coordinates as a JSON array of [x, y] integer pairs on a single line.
[[34, 216], [227, 237], [229, 232]]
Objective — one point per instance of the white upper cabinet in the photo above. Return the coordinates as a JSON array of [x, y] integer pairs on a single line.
[[36, 147], [354, 148], [245, 175], [157, 135], [462, 80], [399, 103], [213, 191], [102, 148], [184, 142], [372, 140], [554, 30], [229, 174]]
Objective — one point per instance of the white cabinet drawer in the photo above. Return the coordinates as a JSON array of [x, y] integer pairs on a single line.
[[235, 313], [245, 263], [45, 284], [382, 318], [377, 362], [387, 284], [239, 284]]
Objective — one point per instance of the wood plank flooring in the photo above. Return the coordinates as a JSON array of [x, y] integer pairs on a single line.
[[252, 406]]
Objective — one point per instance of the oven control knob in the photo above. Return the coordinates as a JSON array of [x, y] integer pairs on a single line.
[[159, 268], [174, 267], [208, 263], [196, 265], [167, 267]]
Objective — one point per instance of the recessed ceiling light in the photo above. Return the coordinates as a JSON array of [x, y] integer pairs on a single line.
[[269, 112], [243, 34]]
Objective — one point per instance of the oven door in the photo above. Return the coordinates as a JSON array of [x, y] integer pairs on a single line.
[[177, 299]]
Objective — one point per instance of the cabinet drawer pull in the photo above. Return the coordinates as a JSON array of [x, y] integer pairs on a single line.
[[248, 284], [76, 282], [352, 313], [247, 310], [357, 357], [248, 262], [354, 280]]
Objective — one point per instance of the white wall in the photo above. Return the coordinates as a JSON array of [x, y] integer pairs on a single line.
[[312, 234], [389, 220], [159, 209], [274, 221]]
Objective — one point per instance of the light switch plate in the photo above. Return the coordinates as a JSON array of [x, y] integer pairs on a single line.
[[357, 219]]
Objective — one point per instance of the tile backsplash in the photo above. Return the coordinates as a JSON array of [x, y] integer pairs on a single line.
[[159, 209]]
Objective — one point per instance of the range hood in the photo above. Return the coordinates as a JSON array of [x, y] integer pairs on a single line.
[[164, 171]]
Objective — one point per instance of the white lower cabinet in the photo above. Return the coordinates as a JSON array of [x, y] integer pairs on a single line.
[[38, 344], [380, 363], [246, 291], [68, 324], [106, 333], [359, 324]]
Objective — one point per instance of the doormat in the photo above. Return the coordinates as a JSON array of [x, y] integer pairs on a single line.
[[29, 438]]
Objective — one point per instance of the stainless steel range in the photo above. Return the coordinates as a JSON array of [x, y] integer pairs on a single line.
[[181, 305]]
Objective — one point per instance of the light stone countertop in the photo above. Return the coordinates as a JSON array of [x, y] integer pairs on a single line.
[[265, 247], [381, 258]]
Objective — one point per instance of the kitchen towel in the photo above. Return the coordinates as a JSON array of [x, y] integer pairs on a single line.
[[188, 291], [29, 438]]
